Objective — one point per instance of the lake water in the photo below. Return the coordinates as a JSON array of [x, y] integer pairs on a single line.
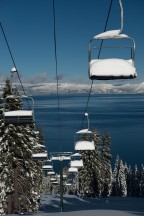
[[122, 115]]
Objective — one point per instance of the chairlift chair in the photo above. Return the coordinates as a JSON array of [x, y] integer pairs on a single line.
[[55, 182], [111, 68], [73, 170], [40, 156], [50, 173], [76, 160], [53, 179], [61, 156], [64, 176], [18, 116], [47, 165], [68, 184], [83, 145]]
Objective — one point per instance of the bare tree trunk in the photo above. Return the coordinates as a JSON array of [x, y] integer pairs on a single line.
[[16, 190], [9, 206]]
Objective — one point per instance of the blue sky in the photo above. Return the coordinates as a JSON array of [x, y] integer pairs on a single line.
[[28, 25]]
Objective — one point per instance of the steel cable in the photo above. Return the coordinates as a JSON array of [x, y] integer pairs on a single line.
[[56, 69], [89, 95]]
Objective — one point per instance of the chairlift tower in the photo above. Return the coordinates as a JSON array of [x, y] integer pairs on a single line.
[[61, 156]]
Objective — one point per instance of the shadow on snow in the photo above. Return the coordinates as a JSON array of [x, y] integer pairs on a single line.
[[132, 205]]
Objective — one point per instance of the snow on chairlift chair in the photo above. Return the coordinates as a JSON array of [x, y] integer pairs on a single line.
[[76, 160], [84, 145], [18, 116], [111, 68]]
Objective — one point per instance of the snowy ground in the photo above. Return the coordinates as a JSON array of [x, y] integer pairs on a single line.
[[74, 206]]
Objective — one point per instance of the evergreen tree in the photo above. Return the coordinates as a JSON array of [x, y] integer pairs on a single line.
[[122, 177], [20, 175], [119, 179], [40, 134], [106, 170], [7, 90], [90, 176], [135, 182], [128, 174], [142, 181], [115, 180], [11, 103]]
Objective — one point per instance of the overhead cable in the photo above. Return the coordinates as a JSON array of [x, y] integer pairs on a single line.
[[88, 99], [57, 79], [12, 57]]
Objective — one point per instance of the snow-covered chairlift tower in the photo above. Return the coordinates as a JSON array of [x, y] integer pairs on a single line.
[[111, 68]]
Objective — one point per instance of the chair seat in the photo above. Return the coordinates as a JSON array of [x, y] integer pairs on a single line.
[[47, 167], [18, 116], [40, 156], [73, 169], [109, 69]]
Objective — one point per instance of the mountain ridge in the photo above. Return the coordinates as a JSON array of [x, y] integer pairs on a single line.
[[74, 88]]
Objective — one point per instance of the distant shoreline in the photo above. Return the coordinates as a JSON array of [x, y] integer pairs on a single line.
[[72, 88]]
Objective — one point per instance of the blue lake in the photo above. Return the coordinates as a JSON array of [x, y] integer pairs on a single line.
[[122, 115]]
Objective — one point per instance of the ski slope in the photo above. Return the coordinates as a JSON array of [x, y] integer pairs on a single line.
[[75, 206]]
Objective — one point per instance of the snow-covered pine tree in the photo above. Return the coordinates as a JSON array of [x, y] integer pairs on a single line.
[[115, 180], [85, 172], [135, 182], [20, 176], [119, 187], [40, 134], [142, 181], [2, 183], [89, 175], [122, 177], [106, 169], [128, 174]]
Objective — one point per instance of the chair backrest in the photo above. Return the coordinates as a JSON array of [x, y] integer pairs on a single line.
[[120, 68], [22, 116]]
